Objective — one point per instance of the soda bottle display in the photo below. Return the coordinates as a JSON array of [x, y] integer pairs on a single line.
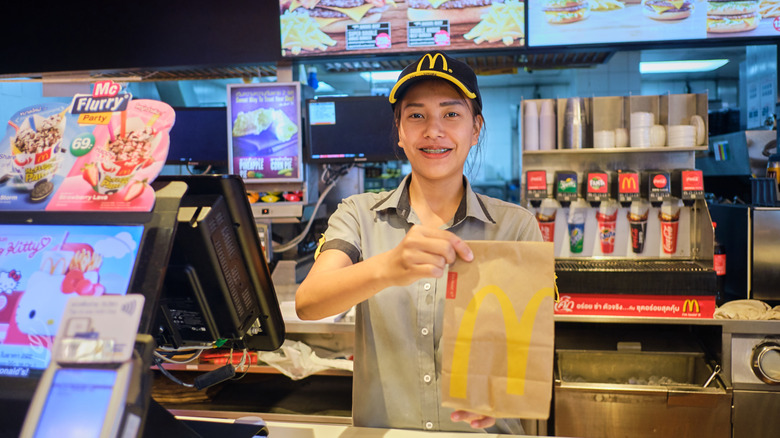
[[719, 265]]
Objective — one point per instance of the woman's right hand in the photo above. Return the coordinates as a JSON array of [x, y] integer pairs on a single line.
[[424, 252]]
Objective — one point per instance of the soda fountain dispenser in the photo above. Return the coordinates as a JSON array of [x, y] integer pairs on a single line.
[[536, 187], [657, 186], [596, 187], [627, 183], [565, 187], [688, 185], [545, 207]]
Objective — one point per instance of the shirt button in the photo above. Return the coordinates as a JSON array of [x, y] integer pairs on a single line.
[[427, 378], [429, 425], [424, 331], [427, 286]]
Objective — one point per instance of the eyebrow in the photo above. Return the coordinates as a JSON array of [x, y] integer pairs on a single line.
[[442, 104]]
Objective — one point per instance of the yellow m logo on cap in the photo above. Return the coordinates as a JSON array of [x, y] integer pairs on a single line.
[[432, 62], [518, 339]]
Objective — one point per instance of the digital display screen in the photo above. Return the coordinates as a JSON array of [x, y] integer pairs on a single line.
[[575, 22], [351, 129], [265, 139], [199, 136], [41, 267], [383, 27], [77, 403]]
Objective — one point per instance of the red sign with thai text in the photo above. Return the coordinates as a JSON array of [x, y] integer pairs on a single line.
[[665, 306]]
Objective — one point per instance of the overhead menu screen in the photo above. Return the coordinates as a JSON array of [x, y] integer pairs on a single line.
[[358, 27], [574, 22]]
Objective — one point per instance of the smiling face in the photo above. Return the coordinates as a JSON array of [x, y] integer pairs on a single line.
[[436, 129]]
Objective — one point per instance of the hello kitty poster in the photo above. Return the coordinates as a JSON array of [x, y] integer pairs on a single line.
[[41, 267]]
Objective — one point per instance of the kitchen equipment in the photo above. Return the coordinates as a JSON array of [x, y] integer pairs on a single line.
[[752, 363], [752, 236], [611, 393]]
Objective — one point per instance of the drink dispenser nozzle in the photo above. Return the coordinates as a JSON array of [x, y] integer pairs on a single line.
[[536, 187], [626, 186], [565, 187], [688, 185], [656, 186], [595, 188]]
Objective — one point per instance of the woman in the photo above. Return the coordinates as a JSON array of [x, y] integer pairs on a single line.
[[387, 253]]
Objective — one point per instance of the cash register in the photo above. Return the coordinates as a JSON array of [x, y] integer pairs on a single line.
[[60, 365]]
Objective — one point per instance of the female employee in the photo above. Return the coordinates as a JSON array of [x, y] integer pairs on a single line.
[[387, 253]]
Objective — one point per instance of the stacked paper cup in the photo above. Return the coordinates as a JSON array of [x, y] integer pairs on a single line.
[[531, 127], [641, 123], [604, 139], [682, 135], [547, 124]]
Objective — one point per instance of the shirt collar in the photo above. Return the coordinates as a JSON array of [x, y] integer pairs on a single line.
[[470, 205]]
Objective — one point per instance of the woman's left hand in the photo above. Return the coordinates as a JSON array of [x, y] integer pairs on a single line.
[[476, 421]]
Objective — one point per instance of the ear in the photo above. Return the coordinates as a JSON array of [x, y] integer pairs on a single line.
[[479, 122]]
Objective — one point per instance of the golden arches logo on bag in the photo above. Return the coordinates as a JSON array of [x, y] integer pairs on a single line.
[[518, 338]]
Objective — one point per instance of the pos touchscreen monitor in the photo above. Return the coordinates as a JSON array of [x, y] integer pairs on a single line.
[[218, 284], [46, 258], [351, 129]]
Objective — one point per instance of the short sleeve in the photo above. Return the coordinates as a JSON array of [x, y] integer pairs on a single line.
[[529, 230], [343, 232]]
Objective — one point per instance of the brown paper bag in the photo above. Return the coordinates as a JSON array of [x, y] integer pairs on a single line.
[[497, 340]]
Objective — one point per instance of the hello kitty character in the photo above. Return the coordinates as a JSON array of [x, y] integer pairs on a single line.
[[40, 307], [8, 283]]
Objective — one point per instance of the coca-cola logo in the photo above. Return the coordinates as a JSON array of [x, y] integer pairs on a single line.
[[537, 180], [659, 181], [692, 180], [668, 238], [564, 305]]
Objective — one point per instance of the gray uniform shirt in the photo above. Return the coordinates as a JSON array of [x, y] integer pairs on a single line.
[[397, 331]]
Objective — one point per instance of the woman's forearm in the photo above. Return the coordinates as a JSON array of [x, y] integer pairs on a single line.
[[327, 291]]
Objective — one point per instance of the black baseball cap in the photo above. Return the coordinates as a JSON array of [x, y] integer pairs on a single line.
[[437, 64]]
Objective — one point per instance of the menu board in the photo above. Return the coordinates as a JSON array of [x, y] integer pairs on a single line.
[[573, 22], [357, 27], [264, 124], [100, 153]]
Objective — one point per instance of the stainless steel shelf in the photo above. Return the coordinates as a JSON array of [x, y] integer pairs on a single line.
[[616, 150]]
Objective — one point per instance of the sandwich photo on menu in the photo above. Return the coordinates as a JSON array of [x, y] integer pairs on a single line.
[[456, 11], [732, 16], [565, 11], [667, 9], [488, 21], [335, 15], [572, 22]]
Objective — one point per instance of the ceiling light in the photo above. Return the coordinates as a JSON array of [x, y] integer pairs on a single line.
[[689, 66], [380, 76]]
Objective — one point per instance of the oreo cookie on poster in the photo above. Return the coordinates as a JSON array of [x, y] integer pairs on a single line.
[[727, 16], [41, 190]]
